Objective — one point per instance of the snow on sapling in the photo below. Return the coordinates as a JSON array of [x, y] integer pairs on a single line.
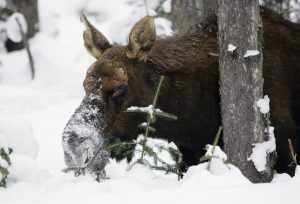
[[14, 25], [4, 162], [217, 159], [9, 27], [147, 151]]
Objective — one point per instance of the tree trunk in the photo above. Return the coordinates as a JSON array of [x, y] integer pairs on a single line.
[[29, 8], [241, 84], [186, 13]]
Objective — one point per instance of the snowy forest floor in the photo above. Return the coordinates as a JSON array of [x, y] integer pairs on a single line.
[[42, 108]]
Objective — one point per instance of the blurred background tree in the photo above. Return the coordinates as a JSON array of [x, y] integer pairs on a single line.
[[29, 8], [186, 13], [289, 9]]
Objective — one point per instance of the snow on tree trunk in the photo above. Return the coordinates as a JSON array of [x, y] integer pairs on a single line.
[[241, 84], [186, 13]]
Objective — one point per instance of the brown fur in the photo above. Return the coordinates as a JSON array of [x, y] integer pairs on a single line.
[[191, 89]]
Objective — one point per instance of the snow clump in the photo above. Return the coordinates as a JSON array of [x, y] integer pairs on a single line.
[[13, 28]]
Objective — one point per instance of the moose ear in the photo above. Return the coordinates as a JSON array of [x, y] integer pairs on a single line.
[[94, 41], [141, 39]]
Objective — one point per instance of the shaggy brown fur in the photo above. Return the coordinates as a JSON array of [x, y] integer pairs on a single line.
[[191, 89]]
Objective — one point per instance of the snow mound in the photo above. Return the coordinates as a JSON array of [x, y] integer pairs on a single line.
[[18, 136], [218, 163], [199, 176], [23, 168], [15, 72], [160, 147]]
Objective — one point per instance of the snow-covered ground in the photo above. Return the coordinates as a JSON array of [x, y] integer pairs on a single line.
[[33, 115]]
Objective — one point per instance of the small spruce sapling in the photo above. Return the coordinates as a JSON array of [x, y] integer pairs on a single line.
[[124, 148], [211, 152], [4, 165]]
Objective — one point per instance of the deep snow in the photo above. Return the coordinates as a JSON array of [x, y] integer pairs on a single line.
[[34, 114]]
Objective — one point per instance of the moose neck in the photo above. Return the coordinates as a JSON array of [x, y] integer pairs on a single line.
[[185, 54], [190, 84]]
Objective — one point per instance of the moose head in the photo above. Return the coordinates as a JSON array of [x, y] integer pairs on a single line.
[[118, 79]]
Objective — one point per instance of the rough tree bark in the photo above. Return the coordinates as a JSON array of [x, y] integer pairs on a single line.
[[29, 8], [241, 83], [186, 13]]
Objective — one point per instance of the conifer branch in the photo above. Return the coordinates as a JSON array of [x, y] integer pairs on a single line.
[[119, 147], [4, 157]]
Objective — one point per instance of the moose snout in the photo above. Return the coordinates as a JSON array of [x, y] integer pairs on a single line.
[[83, 141]]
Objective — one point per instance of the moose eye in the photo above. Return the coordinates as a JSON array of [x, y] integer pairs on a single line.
[[119, 94]]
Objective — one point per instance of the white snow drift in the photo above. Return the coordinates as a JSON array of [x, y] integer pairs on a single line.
[[40, 109]]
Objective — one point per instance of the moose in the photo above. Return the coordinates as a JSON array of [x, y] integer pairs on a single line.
[[124, 76]]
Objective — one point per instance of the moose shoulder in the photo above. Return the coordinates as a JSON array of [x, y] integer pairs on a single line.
[[125, 76]]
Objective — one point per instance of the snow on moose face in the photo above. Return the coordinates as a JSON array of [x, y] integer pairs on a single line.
[[112, 84], [82, 137]]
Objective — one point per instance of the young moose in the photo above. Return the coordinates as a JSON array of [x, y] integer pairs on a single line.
[[125, 76]]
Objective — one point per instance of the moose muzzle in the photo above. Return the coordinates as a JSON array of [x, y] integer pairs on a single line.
[[83, 140]]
